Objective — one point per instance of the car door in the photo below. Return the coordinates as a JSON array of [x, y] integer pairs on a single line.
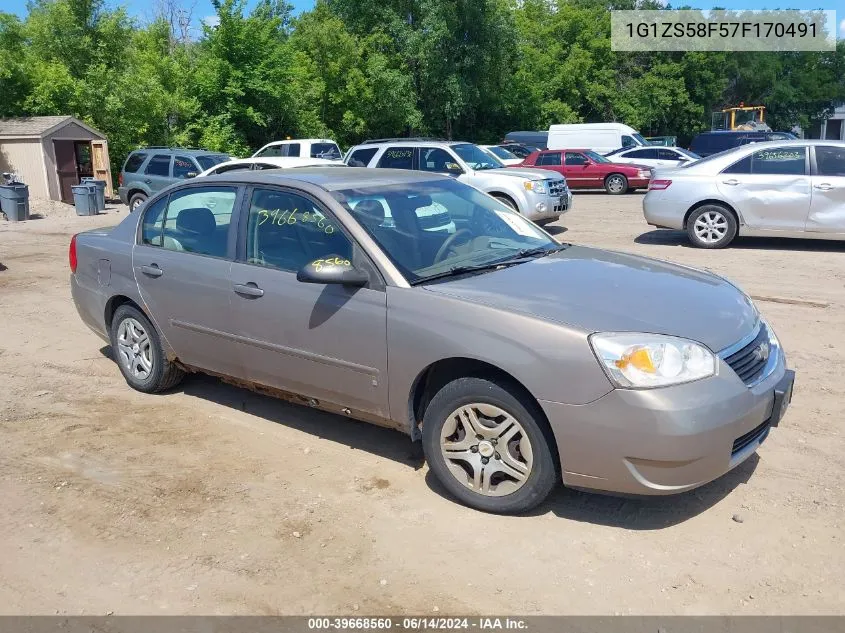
[[182, 263], [322, 341], [579, 172], [157, 172], [827, 204], [670, 158], [770, 188], [648, 156], [553, 161]]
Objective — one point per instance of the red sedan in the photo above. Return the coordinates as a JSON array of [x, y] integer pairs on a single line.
[[585, 169]]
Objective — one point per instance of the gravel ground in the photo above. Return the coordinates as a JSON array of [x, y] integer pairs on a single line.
[[212, 499]]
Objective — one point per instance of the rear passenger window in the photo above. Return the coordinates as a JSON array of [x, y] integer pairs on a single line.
[[552, 158], [830, 161], [362, 157], [287, 231], [151, 225], [197, 220], [134, 162], [293, 149], [159, 165], [397, 158]]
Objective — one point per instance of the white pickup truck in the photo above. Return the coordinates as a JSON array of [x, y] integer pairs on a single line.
[[539, 195]]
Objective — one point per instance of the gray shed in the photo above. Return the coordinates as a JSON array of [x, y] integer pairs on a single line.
[[52, 153]]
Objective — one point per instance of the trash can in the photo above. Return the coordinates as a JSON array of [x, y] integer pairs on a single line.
[[14, 201], [101, 191], [85, 199]]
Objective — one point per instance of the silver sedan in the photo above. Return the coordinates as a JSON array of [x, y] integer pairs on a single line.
[[774, 189]]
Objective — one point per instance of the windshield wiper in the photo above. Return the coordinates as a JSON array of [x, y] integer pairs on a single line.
[[518, 258]]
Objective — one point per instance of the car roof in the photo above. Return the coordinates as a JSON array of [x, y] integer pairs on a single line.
[[281, 161], [332, 178], [178, 150], [565, 149], [288, 141], [400, 141]]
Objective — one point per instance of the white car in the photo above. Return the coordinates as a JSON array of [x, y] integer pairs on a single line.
[[665, 157], [773, 189], [303, 148], [507, 158], [270, 162]]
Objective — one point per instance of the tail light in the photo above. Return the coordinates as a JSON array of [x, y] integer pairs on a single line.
[[120, 179], [71, 254], [659, 185]]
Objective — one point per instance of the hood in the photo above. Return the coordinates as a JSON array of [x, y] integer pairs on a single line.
[[523, 172], [603, 291]]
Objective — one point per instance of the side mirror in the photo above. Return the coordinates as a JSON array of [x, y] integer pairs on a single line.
[[332, 270], [453, 169]]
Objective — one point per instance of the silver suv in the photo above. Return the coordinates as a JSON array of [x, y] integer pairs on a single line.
[[537, 194]]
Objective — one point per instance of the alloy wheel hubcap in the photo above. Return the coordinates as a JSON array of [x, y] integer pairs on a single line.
[[711, 227], [486, 449], [133, 349], [615, 184]]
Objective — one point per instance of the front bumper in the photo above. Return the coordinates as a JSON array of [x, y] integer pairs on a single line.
[[667, 440], [546, 207]]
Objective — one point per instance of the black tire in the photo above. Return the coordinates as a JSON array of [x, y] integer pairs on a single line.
[[616, 184], [505, 200], [720, 218], [464, 391], [135, 200], [164, 374]]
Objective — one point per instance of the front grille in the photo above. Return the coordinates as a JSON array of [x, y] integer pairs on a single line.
[[749, 362], [557, 187], [752, 436]]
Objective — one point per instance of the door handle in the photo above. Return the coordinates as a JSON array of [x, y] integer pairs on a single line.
[[731, 182], [148, 181], [823, 186], [249, 290], [152, 270]]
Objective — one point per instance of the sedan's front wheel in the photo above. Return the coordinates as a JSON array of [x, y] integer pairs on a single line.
[[488, 444], [711, 226], [137, 348]]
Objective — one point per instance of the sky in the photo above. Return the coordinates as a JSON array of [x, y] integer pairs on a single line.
[[203, 9]]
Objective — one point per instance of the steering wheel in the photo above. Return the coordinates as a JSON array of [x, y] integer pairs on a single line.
[[444, 249]]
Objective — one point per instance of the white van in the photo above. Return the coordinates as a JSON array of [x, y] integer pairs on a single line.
[[301, 147], [599, 137]]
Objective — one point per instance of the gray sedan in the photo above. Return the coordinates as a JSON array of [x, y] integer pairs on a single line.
[[516, 360], [773, 189]]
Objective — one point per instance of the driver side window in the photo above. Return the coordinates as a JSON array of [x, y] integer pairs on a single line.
[[287, 231], [436, 160], [574, 158]]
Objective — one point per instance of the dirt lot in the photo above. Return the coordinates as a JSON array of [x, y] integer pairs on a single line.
[[213, 499]]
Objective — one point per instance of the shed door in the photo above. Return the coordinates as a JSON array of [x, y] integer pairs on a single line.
[[66, 168], [102, 165]]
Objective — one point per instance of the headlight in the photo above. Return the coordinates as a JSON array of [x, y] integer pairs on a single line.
[[634, 360], [537, 186]]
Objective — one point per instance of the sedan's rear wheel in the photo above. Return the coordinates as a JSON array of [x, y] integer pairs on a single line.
[[137, 348], [487, 445], [616, 184], [711, 226]]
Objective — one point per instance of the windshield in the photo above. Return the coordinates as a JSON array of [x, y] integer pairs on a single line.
[[595, 157], [502, 153], [429, 229], [325, 150], [207, 161], [476, 157], [640, 139]]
